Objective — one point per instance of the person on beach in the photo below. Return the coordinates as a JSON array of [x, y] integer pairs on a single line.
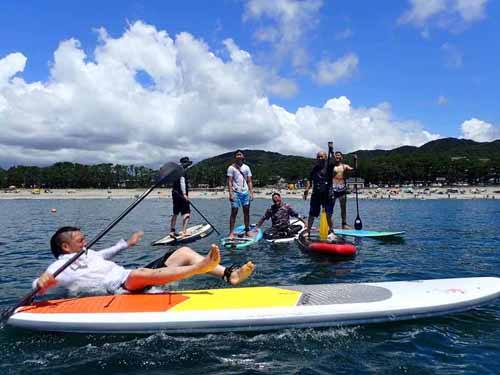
[[180, 199], [95, 270], [280, 215], [240, 186], [338, 189], [320, 178]]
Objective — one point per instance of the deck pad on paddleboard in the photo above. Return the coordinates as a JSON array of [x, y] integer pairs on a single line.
[[259, 308], [366, 233], [300, 226], [193, 233]]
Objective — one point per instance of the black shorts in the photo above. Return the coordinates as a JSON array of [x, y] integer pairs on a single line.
[[181, 206], [160, 262], [318, 200]]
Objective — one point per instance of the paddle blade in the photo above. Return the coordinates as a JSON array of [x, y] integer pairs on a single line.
[[358, 225], [170, 172]]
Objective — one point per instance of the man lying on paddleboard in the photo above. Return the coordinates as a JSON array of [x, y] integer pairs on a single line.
[[94, 269], [279, 214]]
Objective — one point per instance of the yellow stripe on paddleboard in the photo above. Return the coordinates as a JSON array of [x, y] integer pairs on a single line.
[[237, 298]]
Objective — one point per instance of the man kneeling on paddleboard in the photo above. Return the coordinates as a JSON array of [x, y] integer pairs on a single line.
[[279, 214], [94, 269]]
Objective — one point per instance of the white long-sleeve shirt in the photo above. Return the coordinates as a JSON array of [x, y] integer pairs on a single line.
[[183, 185], [91, 271]]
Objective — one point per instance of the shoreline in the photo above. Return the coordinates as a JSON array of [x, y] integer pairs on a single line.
[[490, 192]]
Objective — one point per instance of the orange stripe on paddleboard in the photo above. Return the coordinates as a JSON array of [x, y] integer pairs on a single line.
[[126, 303]]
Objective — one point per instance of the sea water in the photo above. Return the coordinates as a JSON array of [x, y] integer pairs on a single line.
[[444, 238]]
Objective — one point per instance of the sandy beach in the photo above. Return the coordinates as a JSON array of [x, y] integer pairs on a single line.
[[490, 192]]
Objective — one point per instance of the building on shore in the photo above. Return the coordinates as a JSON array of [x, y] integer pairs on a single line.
[[353, 182]]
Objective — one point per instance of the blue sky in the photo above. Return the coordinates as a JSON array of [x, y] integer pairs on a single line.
[[283, 76]]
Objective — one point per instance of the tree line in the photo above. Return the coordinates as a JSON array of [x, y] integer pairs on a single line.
[[75, 175], [445, 160], [429, 169]]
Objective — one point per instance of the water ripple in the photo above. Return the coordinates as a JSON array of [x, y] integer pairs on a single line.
[[445, 238]]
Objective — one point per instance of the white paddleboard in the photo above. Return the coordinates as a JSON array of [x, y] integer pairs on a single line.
[[192, 234], [239, 241], [259, 308], [293, 221]]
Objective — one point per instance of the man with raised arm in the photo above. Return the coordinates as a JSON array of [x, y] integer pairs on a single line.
[[95, 269], [320, 180]]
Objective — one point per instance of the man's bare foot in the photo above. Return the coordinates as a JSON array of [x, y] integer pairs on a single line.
[[241, 274], [231, 236], [211, 261], [345, 226], [333, 237]]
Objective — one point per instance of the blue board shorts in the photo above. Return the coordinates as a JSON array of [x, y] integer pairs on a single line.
[[240, 199]]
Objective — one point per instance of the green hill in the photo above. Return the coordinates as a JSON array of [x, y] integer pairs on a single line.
[[449, 158]]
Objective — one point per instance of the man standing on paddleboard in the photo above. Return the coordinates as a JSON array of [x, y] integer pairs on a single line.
[[338, 189], [180, 199], [320, 178], [240, 186], [93, 270]]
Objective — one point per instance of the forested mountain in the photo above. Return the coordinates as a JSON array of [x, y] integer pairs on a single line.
[[451, 160]]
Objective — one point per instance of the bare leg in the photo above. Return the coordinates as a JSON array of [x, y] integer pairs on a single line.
[[173, 222], [185, 256], [232, 221], [185, 221], [246, 218], [343, 211], [329, 220], [310, 222], [189, 266]]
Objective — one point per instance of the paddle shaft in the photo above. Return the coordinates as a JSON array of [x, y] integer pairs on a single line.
[[358, 224], [29, 297], [203, 216], [328, 164]]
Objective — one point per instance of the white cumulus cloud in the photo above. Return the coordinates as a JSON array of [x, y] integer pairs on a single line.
[[454, 15], [100, 107], [480, 131], [11, 65], [330, 72], [284, 23]]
